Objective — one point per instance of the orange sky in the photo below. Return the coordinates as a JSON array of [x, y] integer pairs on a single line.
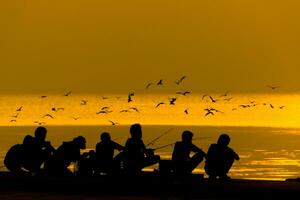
[[94, 46]]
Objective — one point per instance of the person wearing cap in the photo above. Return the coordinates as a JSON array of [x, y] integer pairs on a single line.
[[220, 158]]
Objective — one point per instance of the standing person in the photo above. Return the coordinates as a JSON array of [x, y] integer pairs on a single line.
[[105, 153], [220, 158], [136, 156], [183, 163], [67, 153]]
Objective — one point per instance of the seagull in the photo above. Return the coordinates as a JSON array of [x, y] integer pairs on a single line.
[[160, 82], [271, 106], [161, 103], [13, 120], [184, 93], [105, 108], [134, 108], [225, 95], [172, 101], [209, 113], [16, 116], [75, 118], [180, 80], [83, 102], [205, 95], [213, 109], [57, 109], [104, 98], [113, 123], [244, 106], [68, 94], [233, 109], [103, 112], [129, 98], [43, 96], [148, 85], [39, 123], [124, 111], [19, 109], [281, 107], [273, 87], [186, 111], [228, 99], [48, 115], [213, 100]]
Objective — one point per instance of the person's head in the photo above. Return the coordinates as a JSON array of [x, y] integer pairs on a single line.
[[105, 137], [136, 131], [80, 142], [187, 136], [224, 139], [40, 133], [27, 140]]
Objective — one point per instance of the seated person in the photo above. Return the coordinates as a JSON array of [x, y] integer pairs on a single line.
[[87, 164], [30, 156], [183, 163], [220, 158], [67, 153], [105, 154], [136, 156], [15, 157]]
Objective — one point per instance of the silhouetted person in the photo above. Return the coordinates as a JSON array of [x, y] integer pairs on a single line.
[[16, 156], [30, 156], [39, 151], [183, 163], [136, 156], [220, 158], [87, 164], [105, 154], [67, 153]]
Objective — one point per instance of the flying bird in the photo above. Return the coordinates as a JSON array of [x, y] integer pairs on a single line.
[[273, 87], [105, 108], [48, 115], [113, 123], [39, 123], [122, 111], [68, 94], [161, 103], [213, 100], [160, 82], [83, 102], [271, 106], [172, 101], [186, 111], [203, 96], [57, 109], [183, 93], [233, 109], [180, 80], [103, 112], [209, 113], [75, 118], [129, 98], [225, 95], [281, 107], [15, 116], [135, 109], [148, 85], [19, 109], [104, 98], [13, 120], [228, 99], [43, 96]]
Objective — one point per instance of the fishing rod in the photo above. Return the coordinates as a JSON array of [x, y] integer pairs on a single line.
[[164, 146], [157, 138]]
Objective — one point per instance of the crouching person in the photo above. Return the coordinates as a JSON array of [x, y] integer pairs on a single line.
[[183, 163], [67, 153]]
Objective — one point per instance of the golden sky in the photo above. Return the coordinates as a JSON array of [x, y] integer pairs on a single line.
[[101, 46]]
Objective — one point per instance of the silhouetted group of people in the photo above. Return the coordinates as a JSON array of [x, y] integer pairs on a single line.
[[37, 156]]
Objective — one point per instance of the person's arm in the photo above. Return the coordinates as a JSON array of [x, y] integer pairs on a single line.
[[196, 149], [235, 155], [118, 146]]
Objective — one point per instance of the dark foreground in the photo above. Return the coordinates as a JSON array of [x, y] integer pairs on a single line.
[[147, 186]]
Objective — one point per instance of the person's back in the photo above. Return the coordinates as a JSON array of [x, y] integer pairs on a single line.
[[136, 155], [105, 153], [220, 158], [65, 154], [17, 156], [182, 162]]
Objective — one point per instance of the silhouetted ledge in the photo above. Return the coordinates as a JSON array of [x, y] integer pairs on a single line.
[[151, 184]]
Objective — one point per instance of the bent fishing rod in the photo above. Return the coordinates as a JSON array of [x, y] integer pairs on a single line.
[[171, 144]]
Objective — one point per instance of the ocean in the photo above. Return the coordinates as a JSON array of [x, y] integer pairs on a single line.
[[264, 128]]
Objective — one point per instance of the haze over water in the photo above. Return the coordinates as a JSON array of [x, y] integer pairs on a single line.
[[267, 139]]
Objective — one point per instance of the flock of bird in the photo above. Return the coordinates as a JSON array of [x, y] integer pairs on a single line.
[[209, 111]]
